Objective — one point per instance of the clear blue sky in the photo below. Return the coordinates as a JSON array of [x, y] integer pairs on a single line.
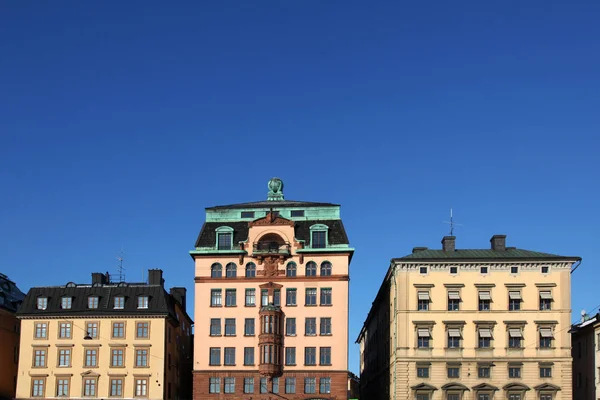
[[121, 121]]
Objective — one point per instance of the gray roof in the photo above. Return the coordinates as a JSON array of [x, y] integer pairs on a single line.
[[10, 295], [511, 253], [274, 204]]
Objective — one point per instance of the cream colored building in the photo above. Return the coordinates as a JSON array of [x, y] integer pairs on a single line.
[[476, 324], [105, 340]]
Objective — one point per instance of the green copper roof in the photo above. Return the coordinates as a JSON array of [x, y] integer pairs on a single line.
[[478, 254]]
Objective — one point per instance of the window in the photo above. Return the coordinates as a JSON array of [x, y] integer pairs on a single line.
[[38, 387], [545, 397], [310, 385], [230, 298], [325, 268], [141, 387], [422, 372], [421, 396], [423, 301], [290, 385], [290, 356], [246, 214], [290, 326], [93, 302], [91, 358], [275, 385], [311, 268], [41, 330], [215, 298], [224, 241], [263, 385], [65, 330], [264, 297], [514, 338], [310, 356], [545, 372], [42, 303], [485, 338], [248, 385], [454, 270], [514, 270], [483, 371], [229, 385], [116, 387], [453, 338], [250, 270], [290, 269], [453, 301], [229, 356], [249, 327], [514, 372], [142, 302], [514, 396], [229, 326], [453, 372], [483, 270], [64, 357], [248, 355], [546, 337], [39, 358], [215, 356], [290, 297], [141, 357], [545, 300], [483, 396], [311, 297], [423, 270], [215, 327], [325, 356], [325, 385], [318, 240], [310, 326], [214, 385], [297, 213], [544, 269], [116, 357], [142, 330], [277, 297], [66, 303], [216, 271], [231, 270], [325, 326], [423, 336], [118, 330], [119, 302], [326, 296], [89, 387], [62, 387], [514, 300], [484, 300]]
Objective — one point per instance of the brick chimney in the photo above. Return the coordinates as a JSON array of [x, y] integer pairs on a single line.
[[99, 278], [449, 243], [179, 294], [498, 242], [155, 277]]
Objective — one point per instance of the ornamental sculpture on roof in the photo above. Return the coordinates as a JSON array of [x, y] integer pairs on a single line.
[[275, 190]]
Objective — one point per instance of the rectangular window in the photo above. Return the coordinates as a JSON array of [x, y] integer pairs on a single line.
[[275, 385], [423, 336], [546, 337], [453, 301], [318, 240], [92, 329], [290, 356], [230, 298], [142, 330], [248, 355], [453, 372], [545, 300], [485, 338], [41, 330], [141, 357], [290, 385], [229, 326], [483, 270], [142, 302], [39, 358], [215, 298], [64, 357], [215, 356], [250, 297], [514, 270], [310, 326], [484, 301], [325, 356], [423, 270], [290, 297], [66, 303], [116, 357], [38, 387], [214, 385], [514, 372], [215, 327], [310, 356], [248, 385], [119, 302], [514, 338], [325, 326], [91, 358], [118, 330], [249, 327], [290, 326], [423, 301], [514, 300], [247, 214], [263, 385], [545, 396], [229, 385], [297, 213], [277, 297], [325, 296], [264, 297], [89, 387], [423, 372], [141, 387], [65, 330], [325, 385], [310, 385], [224, 241], [229, 356], [62, 387], [545, 269], [42, 303], [311, 297], [453, 338], [116, 387], [454, 270], [545, 372], [483, 371]]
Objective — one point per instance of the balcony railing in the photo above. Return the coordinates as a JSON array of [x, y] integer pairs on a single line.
[[271, 248]]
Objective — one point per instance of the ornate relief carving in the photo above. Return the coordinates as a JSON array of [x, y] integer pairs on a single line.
[[271, 266], [271, 219]]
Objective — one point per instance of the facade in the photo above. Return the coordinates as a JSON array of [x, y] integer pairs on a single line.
[[470, 324], [105, 339], [585, 340], [10, 300], [271, 301]]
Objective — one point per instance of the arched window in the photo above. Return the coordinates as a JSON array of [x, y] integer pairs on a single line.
[[311, 268], [250, 270], [216, 271], [290, 269], [325, 268], [231, 270]]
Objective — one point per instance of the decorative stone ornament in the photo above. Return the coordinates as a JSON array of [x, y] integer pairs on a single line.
[[275, 189]]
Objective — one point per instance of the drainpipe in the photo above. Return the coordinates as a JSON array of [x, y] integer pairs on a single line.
[[395, 325]]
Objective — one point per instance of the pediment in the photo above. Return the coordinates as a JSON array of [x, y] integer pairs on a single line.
[[271, 219], [547, 387], [454, 386], [516, 386], [484, 386], [423, 386]]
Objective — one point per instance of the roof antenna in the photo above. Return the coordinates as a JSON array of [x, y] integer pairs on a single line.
[[120, 268], [452, 223]]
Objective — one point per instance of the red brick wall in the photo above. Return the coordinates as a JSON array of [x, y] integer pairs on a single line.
[[339, 385]]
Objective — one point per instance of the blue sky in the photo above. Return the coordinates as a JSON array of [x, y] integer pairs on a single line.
[[121, 121]]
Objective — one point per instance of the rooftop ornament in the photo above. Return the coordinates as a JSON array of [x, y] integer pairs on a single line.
[[275, 190]]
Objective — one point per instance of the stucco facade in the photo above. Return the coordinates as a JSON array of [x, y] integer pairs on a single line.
[[470, 324]]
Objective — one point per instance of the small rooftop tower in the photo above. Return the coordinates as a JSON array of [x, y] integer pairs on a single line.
[[275, 190]]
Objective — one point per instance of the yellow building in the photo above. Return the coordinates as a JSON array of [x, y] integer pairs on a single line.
[[105, 339], [470, 325]]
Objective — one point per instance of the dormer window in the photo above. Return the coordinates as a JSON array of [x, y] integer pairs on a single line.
[[318, 236], [93, 302], [66, 303], [42, 303], [142, 302], [119, 302], [224, 238]]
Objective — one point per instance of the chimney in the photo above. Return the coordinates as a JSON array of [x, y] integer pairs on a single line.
[[449, 243], [155, 277], [99, 278], [498, 242], [418, 249], [178, 294]]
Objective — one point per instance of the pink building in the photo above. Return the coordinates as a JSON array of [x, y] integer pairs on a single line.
[[271, 301]]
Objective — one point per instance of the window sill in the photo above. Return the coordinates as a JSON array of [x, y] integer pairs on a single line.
[[230, 335], [326, 334], [310, 305], [216, 305], [249, 305], [141, 367], [310, 334], [249, 365], [290, 335], [216, 335], [290, 365], [233, 306], [117, 366], [326, 305], [245, 335], [310, 365], [229, 365], [326, 365], [291, 305]]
